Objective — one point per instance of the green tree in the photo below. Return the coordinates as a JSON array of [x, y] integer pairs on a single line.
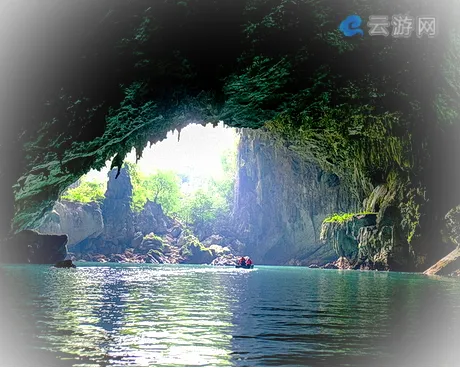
[[87, 191], [163, 188], [139, 196], [226, 185]]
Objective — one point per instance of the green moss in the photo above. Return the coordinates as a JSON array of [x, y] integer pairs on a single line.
[[194, 250], [343, 217], [152, 236]]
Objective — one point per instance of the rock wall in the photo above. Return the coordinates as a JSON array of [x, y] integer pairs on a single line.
[[281, 201], [117, 213], [29, 246], [79, 221], [369, 241]]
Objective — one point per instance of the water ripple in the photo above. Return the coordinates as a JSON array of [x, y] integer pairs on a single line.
[[170, 315]]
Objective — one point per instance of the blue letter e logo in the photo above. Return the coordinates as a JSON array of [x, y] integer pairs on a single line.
[[350, 26]]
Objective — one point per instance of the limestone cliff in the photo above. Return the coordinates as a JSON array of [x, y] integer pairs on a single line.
[[282, 200], [117, 212], [79, 221]]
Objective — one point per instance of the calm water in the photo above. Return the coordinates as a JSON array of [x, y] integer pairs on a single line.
[[165, 315]]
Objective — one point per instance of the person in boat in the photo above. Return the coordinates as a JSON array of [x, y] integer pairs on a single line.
[[248, 262], [242, 261]]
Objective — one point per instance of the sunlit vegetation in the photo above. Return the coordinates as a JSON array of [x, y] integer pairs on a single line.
[[162, 187], [342, 217], [203, 208], [86, 191]]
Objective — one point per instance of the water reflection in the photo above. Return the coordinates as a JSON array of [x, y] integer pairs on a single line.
[[160, 315], [328, 317], [167, 315]]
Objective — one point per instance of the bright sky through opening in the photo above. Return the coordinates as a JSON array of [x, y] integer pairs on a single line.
[[197, 154]]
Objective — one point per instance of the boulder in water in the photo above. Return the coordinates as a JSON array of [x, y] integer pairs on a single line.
[[65, 264]]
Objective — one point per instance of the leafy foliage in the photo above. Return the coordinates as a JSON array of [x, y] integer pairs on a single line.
[[343, 217], [85, 192], [162, 188], [210, 206]]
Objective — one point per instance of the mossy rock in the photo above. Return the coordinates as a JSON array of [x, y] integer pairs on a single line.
[[152, 241], [195, 252]]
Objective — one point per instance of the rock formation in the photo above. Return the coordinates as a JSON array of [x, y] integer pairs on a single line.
[[30, 246], [367, 242], [80, 221], [117, 213], [152, 219], [282, 200]]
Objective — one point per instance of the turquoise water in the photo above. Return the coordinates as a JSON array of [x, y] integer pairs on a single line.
[[165, 315]]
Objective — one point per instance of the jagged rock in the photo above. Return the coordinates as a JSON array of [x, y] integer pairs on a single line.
[[330, 266], [226, 260], [65, 264], [162, 227], [370, 241], [151, 244], [152, 259], [152, 219], [181, 240], [217, 250], [343, 235], [78, 220], [30, 246], [343, 264], [194, 252], [169, 239], [151, 241], [117, 213]]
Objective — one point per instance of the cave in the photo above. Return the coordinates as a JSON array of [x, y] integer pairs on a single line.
[[88, 82], [346, 167]]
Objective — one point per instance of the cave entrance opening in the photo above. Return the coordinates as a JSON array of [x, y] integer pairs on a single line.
[[185, 181]]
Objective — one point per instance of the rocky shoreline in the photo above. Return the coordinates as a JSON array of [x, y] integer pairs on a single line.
[[173, 255], [112, 232]]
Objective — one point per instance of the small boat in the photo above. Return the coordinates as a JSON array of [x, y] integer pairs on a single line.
[[245, 266]]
